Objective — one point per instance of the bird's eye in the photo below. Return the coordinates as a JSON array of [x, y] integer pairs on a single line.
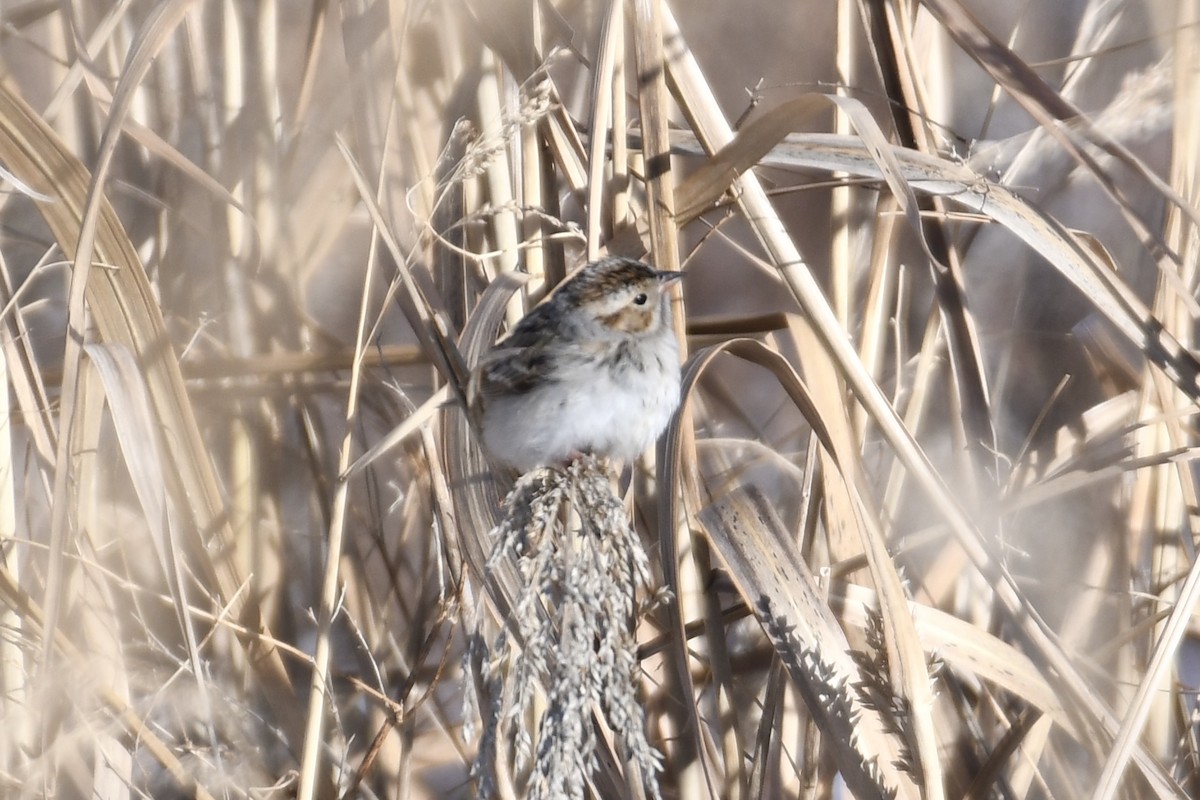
[[641, 299]]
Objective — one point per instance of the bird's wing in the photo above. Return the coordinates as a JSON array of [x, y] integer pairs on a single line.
[[522, 360], [513, 368]]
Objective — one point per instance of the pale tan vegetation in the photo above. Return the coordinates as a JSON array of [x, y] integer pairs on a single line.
[[925, 525]]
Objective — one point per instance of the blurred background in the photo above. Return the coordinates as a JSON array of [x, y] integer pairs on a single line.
[[238, 240]]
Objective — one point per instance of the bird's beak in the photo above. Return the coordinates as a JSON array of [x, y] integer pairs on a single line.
[[666, 277]]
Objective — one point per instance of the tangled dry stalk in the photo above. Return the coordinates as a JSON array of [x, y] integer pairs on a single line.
[[924, 527]]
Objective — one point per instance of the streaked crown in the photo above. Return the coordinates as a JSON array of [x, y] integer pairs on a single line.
[[620, 295]]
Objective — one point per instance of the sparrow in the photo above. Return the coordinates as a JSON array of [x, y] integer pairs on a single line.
[[593, 368]]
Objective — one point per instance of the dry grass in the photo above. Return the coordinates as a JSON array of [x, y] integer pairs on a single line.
[[927, 521]]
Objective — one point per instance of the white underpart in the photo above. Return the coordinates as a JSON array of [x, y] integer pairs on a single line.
[[590, 409]]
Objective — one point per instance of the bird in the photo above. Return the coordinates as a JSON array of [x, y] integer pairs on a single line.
[[591, 369]]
